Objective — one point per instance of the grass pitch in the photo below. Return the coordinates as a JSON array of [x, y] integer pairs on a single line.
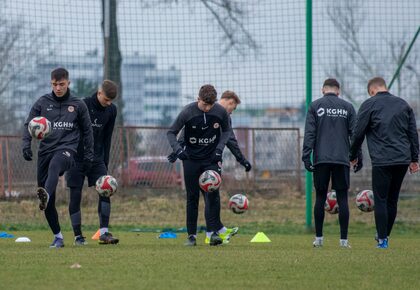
[[141, 261]]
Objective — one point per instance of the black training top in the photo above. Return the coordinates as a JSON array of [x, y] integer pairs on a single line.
[[103, 121], [390, 127], [69, 119], [329, 125], [204, 132]]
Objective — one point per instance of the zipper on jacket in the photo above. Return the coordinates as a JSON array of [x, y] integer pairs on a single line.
[[204, 115]]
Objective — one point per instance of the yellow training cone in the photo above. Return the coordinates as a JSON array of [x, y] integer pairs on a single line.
[[260, 237], [96, 235]]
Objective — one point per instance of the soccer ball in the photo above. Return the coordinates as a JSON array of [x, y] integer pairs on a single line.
[[238, 203], [209, 181], [39, 127], [365, 201], [106, 185], [331, 205]]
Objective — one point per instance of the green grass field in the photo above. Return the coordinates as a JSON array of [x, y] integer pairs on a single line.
[[141, 261]]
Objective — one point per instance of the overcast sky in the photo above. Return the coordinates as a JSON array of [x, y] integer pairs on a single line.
[[185, 36]]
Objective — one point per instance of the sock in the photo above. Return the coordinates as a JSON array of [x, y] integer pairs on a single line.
[[222, 230], [208, 234], [59, 235], [321, 239], [344, 241], [103, 230]]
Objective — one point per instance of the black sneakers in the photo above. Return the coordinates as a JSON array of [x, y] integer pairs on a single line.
[[191, 241], [43, 197], [107, 238], [80, 241], [215, 239]]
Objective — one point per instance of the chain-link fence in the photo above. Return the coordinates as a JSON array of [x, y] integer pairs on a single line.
[[138, 160]]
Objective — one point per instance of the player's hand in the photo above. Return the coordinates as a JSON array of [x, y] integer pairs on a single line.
[[182, 154], [358, 165], [309, 166], [87, 165], [172, 157], [413, 167], [245, 163], [27, 154], [217, 156]]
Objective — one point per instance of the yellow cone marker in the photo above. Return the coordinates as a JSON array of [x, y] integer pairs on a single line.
[[96, 235], [260, 237]]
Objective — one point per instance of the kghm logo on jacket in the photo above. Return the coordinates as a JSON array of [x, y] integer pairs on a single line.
[[63, 125], [332, 112], [202, 141]]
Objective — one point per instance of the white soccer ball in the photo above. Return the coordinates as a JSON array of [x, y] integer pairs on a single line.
[[106, 185], [238, 203], [365, 201], [331, 205], [209, 181], [39, 128]]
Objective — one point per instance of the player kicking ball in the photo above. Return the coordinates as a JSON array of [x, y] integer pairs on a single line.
[[70, 119], [206, 131]]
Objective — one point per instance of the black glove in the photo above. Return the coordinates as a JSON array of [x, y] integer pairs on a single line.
[[87, 165], [172, 157], [217, 157], [358, 166], [27, 154], [309, 166], [182, 154], [245, 163]]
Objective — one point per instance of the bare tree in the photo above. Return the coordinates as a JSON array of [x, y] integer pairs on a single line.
[[20, 49], [362, 62], [230, 17]]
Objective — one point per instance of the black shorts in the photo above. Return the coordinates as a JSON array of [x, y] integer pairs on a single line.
[[75, 177], [338, 173]]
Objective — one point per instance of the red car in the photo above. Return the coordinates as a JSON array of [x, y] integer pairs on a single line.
[[153, 171]]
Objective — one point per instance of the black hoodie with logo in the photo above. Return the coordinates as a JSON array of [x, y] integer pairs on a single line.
[[69, 119]]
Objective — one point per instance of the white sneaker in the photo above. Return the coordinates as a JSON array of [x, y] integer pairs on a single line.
[[318, 243], [345, 244]]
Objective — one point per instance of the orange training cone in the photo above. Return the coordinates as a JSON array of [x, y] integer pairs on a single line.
[[96, 235]]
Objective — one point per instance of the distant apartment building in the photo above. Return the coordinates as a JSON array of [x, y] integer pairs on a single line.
[[152, 96]]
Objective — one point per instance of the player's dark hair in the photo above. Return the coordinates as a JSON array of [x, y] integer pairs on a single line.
[[231, 95], [208, 94], [110, 89], [376, 81], [59, 74], [331, 83]]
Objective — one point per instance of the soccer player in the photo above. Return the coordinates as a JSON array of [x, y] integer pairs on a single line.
[[69, 118], [102, 115], [328, 129], [390, 127], [206, 129], [229, 101]]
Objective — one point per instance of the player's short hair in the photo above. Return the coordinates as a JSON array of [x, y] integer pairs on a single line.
[[110, 89], [208, 94], [231, 95], [376, 81], [331, 83], [59, 74]]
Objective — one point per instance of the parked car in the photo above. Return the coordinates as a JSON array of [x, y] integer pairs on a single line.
[[153, 171]]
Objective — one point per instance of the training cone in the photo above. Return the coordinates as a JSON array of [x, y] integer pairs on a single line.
[[260, 237], [96, 235]]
